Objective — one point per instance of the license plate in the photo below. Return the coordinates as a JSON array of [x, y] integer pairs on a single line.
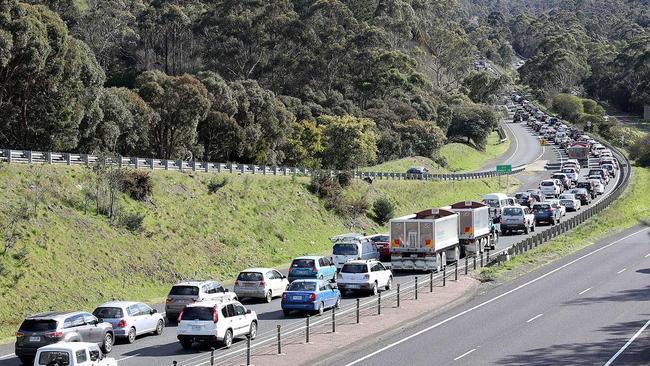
[[296, 297], [34, 339], [414, 255], [196, 328], [354, 286]]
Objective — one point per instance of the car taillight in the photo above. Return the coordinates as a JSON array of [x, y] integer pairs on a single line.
[[237, 283], [121, 323], [312, 297], [314, 270], [215, 314], [168, 300], [262, 283], [284, 296], [54, 334], [19, 334], [550, 209], [180, 316], [366, 277]]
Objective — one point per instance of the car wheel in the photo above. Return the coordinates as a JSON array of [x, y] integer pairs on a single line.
[[286, 312], [504, 232], [160, 327], [253, 331], [389, 285], [26, 360], [374, 289], [186, 344], [227, 339], [130, 338], [269, 297], [321, 308], [107, 345]]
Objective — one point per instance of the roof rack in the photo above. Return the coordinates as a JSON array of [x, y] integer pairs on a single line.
[[347, 237]]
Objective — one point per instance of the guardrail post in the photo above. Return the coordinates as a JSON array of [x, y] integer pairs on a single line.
[[179, 163], [398, 295], [8, 155], [334, 319], [212, 356], [48, 157], [456, 270], [307, 329], [248, 350], [416, 287], [474, 262], [487, 257], [242, 168], [358, 320], [431, 281], [481, 260], [29, 156], [253, 168], [466, 264], [68, 160], [444, 276], [136, 162], [279, 340], [166, 164], [379, 303]]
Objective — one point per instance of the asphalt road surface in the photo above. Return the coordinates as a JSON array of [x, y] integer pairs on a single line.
[[591, 308], [162, 350]]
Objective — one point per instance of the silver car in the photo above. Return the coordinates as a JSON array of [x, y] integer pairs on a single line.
[[131, 319], [188, 292], [264, 283]]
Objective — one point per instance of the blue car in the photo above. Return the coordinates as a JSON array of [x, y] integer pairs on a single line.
[[316, 267], [310, 296], [544, 212]]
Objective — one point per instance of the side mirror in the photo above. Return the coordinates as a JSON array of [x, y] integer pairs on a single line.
[[283, 276], [153, 311], [99, 321], [226, 290], [248, 311]]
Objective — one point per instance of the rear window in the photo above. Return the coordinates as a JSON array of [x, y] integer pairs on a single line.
[[198, 313], [512, 212], [302, 286], [568, 171], [302, 263], [34, 325], [184, 291], [61, 358], [547, 184], [558, 176], [355, 268], [541, 207], [380, 238], [108, 313], [345, 249], [521, 195], [492, 202], [250, 276]]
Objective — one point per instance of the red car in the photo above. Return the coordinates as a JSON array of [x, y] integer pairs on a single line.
[[382, 241]]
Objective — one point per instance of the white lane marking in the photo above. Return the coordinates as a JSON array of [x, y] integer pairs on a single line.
[[581, 293], [533, 318], [442, 322], [635, 336], [647, 255], [5, 356], [621, 271], [542, 154], [514, 135], [126, 358], [464, 354]]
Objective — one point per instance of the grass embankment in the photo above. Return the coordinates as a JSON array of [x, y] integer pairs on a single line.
[[460, 157], [624, 213], [65, 258]]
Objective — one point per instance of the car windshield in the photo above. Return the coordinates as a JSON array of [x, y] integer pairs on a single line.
[[493, 202], [59, 358], [547, 184], [38, 325], [197, 313], [511, 211], [302, 286], [250, 276], [355, 268], [302, 263], [345, 249], [108, 313], [184, 291]]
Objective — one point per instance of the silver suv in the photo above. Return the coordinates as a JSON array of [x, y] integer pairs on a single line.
[[189, 292], [54, 327]]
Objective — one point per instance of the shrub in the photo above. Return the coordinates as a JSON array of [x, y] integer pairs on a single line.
[[132, 221], [345, 179], [137, 184], [217, 183], [383, 209], [324, 186], [640, 151]]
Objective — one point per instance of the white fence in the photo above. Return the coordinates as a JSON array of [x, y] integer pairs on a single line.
[[38, 157]]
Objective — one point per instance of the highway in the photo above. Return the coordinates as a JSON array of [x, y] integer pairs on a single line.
[[164, 349], [589, 309]]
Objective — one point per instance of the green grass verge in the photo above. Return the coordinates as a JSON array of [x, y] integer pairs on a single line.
[[624, 213], [64, 258]]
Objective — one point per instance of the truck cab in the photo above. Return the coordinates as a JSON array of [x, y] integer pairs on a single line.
[[72, 354]]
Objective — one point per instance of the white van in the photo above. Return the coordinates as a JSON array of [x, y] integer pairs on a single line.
[[353, 246], [497, 201]]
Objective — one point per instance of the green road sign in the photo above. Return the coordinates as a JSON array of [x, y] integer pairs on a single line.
[[504, 168]]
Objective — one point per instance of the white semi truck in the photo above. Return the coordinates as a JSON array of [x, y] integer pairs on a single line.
[[424, 241], [476, 229]]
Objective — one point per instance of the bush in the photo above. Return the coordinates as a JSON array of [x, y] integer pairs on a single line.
[[640, 151], [137, 184], [132, 221], [324, 186], [568, 106], [383, 209], [345, 179], [216, 184]]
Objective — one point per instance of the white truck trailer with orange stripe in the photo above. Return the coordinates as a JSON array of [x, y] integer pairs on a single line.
[[476, 230]]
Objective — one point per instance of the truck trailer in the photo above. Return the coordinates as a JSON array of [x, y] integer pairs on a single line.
[[579, 151], [476, 230], [426, 240]]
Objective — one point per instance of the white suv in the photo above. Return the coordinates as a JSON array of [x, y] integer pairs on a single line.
[[368, 275], [215, 322], [188, 292], [550, 188]]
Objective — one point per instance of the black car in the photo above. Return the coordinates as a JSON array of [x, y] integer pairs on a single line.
[[416, 172], [582, 194], [524, 199], [589, 186]]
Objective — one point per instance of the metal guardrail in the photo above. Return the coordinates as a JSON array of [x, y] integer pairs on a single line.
[[38, 157]]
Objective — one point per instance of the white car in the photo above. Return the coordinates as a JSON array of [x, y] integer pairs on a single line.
[[599, 187], [566, 181], [211, 322], [550, 188], [557, 205], [360, 275], [572, 173], [570, 202], [72, 354], [262, 283]]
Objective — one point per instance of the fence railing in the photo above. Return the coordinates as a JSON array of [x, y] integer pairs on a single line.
[[39, 157]]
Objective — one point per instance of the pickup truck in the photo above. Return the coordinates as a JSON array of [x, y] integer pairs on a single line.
[[517, 218], [72, 354]]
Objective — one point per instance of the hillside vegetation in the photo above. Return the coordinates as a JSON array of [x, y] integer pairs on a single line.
[[60, 254]]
